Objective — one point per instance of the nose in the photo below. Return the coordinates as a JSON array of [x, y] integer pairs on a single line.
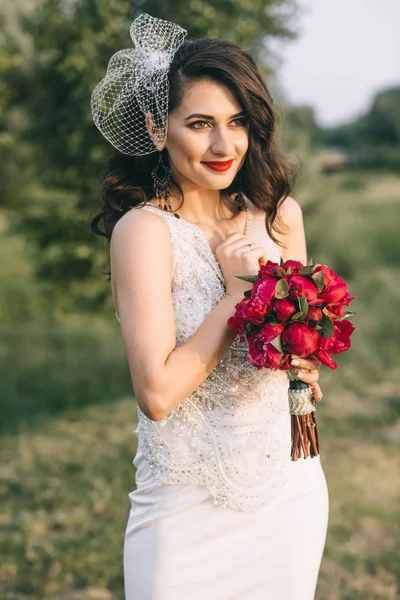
[[222, 142]]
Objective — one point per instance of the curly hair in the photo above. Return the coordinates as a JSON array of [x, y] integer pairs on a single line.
[[264, 175]]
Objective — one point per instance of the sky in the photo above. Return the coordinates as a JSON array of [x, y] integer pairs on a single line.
[[345, 52]]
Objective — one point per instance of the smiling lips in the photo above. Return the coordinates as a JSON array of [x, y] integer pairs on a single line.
[[219, 165]]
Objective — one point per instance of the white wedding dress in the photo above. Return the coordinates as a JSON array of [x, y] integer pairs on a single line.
[[220, 512]]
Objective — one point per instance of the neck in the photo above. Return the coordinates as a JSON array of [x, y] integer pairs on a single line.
[[203, 206]]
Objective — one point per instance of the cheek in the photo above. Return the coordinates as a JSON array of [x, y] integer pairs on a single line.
[[187, 143], [243, 142]]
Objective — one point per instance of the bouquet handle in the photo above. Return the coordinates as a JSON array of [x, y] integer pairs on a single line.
[[304, 431]]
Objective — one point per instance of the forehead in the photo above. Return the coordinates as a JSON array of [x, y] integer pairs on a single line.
[[207, 97]]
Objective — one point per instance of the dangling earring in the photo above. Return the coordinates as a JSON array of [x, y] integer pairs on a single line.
[[162, 185], [239, 200]]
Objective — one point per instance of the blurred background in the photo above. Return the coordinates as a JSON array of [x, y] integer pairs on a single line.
[[67, 405]]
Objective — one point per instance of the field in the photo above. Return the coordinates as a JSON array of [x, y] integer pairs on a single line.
[[68, 413]]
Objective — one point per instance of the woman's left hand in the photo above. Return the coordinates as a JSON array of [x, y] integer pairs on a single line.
[[307, 370]]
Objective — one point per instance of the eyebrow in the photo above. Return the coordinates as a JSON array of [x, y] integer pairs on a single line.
[[211, 118]]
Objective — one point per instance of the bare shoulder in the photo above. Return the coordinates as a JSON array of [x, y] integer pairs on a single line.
[[292, 240], [137, 219], [139, 228], [289, 210]]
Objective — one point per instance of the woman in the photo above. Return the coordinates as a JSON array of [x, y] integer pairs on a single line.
[[220, 511]]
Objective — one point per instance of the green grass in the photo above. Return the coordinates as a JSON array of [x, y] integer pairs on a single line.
[[68, 413]]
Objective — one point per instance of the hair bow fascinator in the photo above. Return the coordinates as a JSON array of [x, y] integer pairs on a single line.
[[135, 89]]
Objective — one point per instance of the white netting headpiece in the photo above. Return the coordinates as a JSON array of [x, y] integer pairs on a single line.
[[136, 84]]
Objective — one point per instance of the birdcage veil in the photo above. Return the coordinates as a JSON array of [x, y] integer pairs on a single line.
[[133, 96]]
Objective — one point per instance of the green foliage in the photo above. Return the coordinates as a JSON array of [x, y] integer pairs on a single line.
[[70, 44], [68, 416], [374, 138]]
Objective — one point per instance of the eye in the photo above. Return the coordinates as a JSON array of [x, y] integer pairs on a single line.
[[241, 121], [195, 123]]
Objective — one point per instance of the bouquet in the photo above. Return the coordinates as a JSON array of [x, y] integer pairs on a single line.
[[295, 309]]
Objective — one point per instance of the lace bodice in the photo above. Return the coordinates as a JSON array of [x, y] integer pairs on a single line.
[[231, 434]]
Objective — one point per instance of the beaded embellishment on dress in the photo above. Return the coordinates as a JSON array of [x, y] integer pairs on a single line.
[[231, 434]]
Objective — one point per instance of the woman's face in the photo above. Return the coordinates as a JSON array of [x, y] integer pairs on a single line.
[[208, 126]]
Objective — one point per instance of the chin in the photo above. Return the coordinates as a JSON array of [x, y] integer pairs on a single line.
[[217, 183]]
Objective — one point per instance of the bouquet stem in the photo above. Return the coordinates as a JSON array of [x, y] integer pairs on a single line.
[[303, 423]]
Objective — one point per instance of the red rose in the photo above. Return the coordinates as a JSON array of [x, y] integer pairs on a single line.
[[299, 285], [283, 308], [300, 339]]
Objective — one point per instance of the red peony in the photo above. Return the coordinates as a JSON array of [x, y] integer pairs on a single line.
[[284, 309], [314, 313], [300, 339], [264, 289], [339, 342], [330, 277], [326, 358], [270, 331], [301, 336], [293, 265], [263, 354], [334, 293], [267, 269], [299, 285]]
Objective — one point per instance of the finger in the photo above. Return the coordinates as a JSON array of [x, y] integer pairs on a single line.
[[307, 376], [231, 238], [317, 392], [306, 363]]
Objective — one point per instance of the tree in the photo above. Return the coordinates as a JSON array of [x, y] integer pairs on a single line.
[[72, 43]]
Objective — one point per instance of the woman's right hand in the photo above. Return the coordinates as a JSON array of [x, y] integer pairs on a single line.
[[237, 258]]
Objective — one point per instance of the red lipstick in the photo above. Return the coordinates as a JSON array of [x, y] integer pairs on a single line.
[[219, 165]]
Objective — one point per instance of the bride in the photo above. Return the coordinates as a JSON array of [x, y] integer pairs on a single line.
[[195, 195]]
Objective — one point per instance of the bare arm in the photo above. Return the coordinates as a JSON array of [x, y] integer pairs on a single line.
[[294, 248], [294, 239], [162, 375]]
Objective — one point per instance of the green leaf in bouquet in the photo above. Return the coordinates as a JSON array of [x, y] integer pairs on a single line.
[[296, 316], [329, 313], [249, 278], [277, 343], [251, 327], [247, 293], [319, 279], [270, 319], [281, 289], [327, 326], [281, 261], [306, 270], [303, 305], [348, 315], [311, 263]]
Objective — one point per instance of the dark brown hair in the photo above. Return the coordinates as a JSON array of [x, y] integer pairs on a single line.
[[126, 180]]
